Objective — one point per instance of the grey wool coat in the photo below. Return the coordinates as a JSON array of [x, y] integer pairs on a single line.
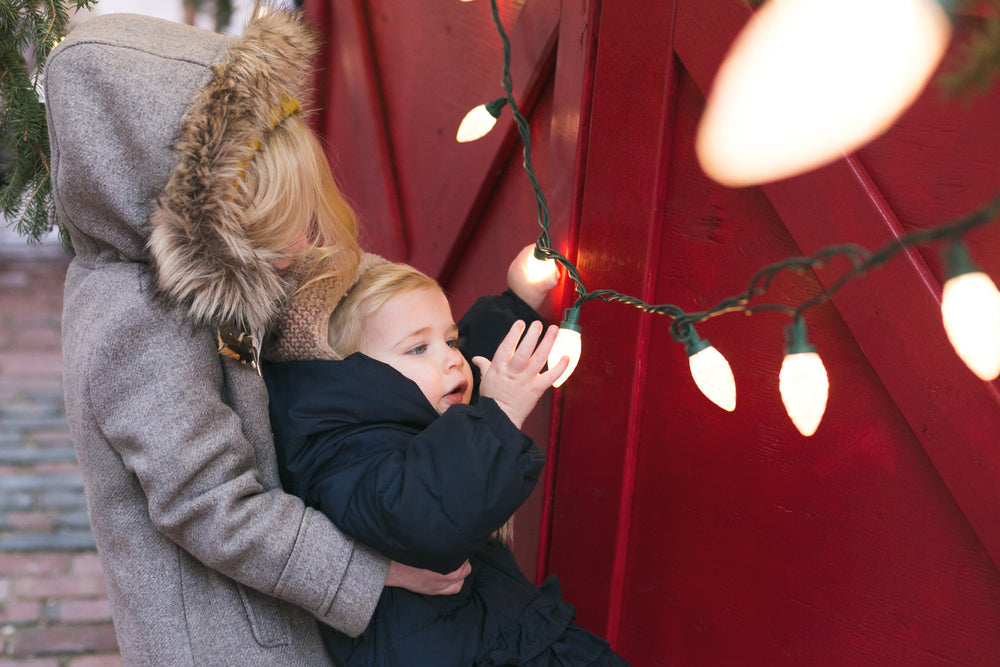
[[207, 561]]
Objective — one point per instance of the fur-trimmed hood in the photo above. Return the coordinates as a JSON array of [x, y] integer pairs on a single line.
[[155, 186]]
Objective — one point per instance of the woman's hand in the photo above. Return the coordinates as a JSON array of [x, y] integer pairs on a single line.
[[513, 379], [426, 582]]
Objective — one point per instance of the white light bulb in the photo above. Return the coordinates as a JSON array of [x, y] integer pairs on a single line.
[[568, 343], [970, 308], [477, 123], [540, 270], [714, 377], [807, 81], [804, 389]]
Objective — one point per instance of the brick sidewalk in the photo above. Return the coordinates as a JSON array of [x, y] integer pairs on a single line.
[[53, 608]]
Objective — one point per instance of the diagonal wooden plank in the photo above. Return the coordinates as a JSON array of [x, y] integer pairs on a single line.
[[533, 40], [895, 315], [354, 124]]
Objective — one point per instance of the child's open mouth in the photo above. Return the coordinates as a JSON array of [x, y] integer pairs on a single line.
[[457, 393]]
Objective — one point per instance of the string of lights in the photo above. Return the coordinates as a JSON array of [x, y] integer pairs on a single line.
[[970, 300]]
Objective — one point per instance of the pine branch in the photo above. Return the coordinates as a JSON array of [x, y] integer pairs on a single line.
[[978, 59], [29, 30]]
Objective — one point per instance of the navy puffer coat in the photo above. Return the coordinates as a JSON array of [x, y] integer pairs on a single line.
[[358, 441]]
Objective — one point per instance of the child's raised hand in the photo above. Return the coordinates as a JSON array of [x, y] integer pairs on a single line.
[[513, 379], [531, 290]]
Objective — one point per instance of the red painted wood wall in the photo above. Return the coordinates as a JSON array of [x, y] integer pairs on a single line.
[[684, 534]]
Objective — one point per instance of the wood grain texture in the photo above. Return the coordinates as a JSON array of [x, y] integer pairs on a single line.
[[687, 535], [622, 194], [895, 315]]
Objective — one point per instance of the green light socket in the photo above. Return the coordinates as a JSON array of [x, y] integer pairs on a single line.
[[695, 344], [495, 106], [796, 338], [571, 320], [957, 261]]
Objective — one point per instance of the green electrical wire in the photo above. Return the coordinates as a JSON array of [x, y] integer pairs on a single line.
[[682, 327]]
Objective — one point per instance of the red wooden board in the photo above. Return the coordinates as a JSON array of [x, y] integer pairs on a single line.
[[687, 535]]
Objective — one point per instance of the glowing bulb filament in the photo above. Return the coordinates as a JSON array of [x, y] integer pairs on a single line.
[[803, 382], [480, 120], [540, 270], [970, 308], [477, 123], [804, 388], [568, 343], [807, 81], [714, 377]]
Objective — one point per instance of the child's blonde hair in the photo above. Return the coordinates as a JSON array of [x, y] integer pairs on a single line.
[[379, 284], [372, 291], [291, 194]]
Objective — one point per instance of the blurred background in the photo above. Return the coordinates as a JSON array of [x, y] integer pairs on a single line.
[[53, 607]]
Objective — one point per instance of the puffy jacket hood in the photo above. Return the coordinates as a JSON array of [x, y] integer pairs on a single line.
[[153, 185], [339, 397]]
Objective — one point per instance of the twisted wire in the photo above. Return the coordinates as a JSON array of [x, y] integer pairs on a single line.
[[682, 328]]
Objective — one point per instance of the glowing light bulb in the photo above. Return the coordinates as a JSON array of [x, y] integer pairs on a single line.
[[568, 343], [480, 120], [807, 81], [803, 381], [970, 309], [538, 270], [712, 373]]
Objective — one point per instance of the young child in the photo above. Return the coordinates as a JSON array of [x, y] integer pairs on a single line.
[[391, 443]]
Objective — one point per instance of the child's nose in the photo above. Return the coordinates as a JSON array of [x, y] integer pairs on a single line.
[[452, 357]]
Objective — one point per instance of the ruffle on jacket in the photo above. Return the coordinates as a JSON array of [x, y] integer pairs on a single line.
[[542, 636]]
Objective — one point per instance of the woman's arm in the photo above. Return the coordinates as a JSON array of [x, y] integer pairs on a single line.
[[155, 389], [488, 320]]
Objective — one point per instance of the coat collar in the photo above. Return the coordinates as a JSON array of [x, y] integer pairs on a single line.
[[321, 396]]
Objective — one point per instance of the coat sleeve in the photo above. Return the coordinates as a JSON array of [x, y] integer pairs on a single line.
[[156, 390], [489, 319], [432, 499]]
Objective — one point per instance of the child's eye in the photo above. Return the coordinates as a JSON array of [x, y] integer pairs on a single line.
[[417, 349], [456, 343]]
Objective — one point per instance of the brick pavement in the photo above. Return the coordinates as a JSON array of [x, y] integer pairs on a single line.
[[53, 607]]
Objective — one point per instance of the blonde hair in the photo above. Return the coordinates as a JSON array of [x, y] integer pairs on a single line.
[[290, 194], [379, 284], [372, 291]]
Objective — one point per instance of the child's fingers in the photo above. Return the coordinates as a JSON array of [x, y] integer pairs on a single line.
[[544, 347], [555, 372], [507, 345], [482, 363], [524, 350], [540, 355]]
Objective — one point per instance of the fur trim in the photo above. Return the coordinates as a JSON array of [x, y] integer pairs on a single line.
[[202, 259], [305, 319]]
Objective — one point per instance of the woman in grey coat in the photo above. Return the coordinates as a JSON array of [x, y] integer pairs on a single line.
[[167, 177]]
